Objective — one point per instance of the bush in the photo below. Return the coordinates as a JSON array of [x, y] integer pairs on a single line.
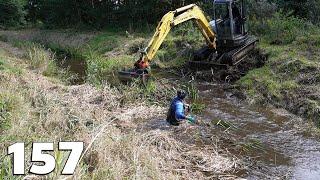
[[309, 10], [12, 13], [283, 29]]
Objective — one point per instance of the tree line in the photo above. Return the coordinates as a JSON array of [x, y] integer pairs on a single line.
[[104, 13]]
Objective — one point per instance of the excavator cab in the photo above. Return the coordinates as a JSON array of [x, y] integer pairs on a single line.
[[230, 23]]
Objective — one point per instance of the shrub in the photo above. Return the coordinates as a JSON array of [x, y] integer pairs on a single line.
[[12, 13], [284, 29]]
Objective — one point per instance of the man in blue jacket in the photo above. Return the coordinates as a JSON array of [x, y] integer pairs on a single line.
[[177, 110]]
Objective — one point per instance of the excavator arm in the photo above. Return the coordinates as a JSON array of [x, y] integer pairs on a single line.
[[168, 21]]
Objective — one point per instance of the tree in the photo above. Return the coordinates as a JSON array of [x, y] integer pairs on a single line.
[[12, 12]]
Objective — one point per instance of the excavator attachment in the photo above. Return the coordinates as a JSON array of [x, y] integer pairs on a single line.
[[128, 75]]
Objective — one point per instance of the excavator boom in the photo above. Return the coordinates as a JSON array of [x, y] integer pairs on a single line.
[[168, 21]]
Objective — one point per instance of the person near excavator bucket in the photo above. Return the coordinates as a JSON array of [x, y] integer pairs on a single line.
[[178, 109]]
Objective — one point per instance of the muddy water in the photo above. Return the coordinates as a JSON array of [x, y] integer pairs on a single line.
[[265, 137], [76, 66]]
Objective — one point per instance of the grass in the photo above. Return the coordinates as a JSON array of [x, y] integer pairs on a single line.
[[104, 42], [107, 52], [7, 105], [5, 67], [45, 61]]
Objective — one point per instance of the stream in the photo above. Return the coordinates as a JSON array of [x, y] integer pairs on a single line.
[[280, 151], [265, 138]]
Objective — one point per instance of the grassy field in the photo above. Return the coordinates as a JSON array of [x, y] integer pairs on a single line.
[[288, 80]]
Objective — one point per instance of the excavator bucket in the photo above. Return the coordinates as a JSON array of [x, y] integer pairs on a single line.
[[129, 75]]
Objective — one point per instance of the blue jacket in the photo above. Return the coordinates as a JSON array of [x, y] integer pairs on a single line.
[[177, 110]]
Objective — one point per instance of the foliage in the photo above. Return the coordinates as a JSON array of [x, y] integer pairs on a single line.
[[284, 28], [100, 13], [45, 61], [12, 12], [131, 13], [304, 9]]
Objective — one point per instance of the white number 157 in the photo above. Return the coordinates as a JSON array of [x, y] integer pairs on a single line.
[[48, 162]]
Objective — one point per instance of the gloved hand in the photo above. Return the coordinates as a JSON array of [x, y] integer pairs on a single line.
[[191, 119], [188, 108]]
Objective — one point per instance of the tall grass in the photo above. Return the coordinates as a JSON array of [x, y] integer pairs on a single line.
[[44, 61]]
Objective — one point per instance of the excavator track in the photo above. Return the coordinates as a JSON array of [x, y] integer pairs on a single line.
[[225, 59], [239, 54]]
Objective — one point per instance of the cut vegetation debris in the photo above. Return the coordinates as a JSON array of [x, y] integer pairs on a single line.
[[44, 109]]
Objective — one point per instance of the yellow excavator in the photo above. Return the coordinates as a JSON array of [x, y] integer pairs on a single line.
[[227, 38]]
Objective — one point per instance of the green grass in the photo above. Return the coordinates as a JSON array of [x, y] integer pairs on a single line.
[[5, 67], [5, 168], [45, 61], [7, 105], [104, 42]]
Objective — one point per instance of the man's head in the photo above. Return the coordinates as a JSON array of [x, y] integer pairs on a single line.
[[181, 94]]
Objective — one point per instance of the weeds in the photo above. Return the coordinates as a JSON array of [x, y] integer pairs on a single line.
[[5, 168], [289, 72], [8, 103], [44, 61], [5, 67], [39, 59], [55, 112], [224, 124]]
